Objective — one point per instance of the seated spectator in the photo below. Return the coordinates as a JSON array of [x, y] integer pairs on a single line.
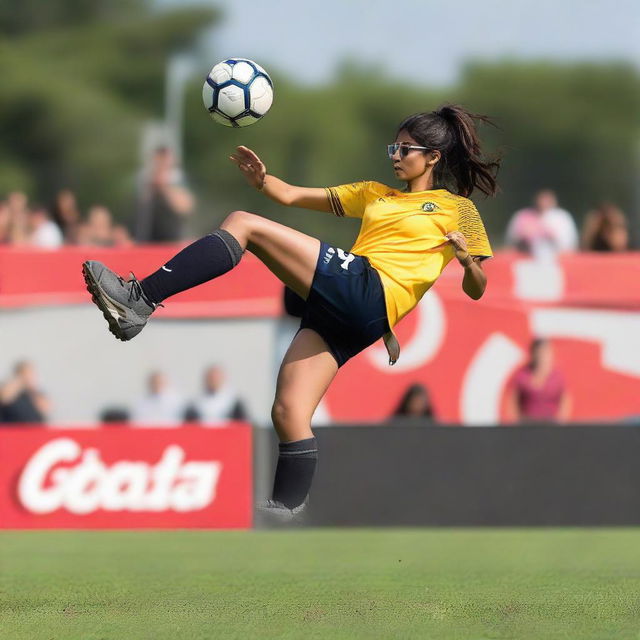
[[18, 218], [20, 399], [415, 403], [66, 215], [161, 406], [5, 223], [537, 391], [99, 230], [218, 403], [543, 230], [43, 233], [121, 236], [114, 415], [605, 229]]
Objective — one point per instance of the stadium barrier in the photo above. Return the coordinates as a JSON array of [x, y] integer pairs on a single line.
[[121, 478], [398, 475], [391, 475], [466, 352]]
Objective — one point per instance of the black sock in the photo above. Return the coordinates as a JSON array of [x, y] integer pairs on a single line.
[[294, 473], [201, 261]]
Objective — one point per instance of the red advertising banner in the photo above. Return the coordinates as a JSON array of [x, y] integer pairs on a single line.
[[466, 352], [122, 478], [31, 277]]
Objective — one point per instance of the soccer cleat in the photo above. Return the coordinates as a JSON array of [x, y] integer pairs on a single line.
[[274, 512], [122, 302]]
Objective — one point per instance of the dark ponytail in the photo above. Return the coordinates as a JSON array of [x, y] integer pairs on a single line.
[[451, 129]]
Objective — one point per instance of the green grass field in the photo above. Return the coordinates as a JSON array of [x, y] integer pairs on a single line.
[[394, 583]]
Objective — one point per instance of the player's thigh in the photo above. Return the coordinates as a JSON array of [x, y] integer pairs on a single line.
[[305, 375], [287, 253]]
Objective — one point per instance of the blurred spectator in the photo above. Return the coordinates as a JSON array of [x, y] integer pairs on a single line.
[[114, 415], [121, 236], [43, 233], [219, 402], [543, 230], [99, 230], [66, 215], [605, 229], [18, 218], [164, 203], [161, 406], [415, 403], [20, 398], [537, 391], [5, 223]]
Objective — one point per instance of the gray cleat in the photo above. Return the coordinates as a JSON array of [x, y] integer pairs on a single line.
[[274, 512], [123, 303]]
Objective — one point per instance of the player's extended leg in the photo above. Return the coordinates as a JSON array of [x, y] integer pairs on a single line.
[[127, 305], [305, 374]]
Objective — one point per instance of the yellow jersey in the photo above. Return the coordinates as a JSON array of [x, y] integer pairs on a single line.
[[403, 236]]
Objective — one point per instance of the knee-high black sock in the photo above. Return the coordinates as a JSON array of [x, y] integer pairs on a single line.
[[294, 473], [201, 261]]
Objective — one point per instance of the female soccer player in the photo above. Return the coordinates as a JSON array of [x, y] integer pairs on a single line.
[[352, 299]]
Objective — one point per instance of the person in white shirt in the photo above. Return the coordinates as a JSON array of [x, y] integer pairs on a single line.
[[218, 403], [544, 230], [161, 406], [44, 233]]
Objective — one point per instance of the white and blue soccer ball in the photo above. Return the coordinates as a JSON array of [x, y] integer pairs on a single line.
[[237, 92]]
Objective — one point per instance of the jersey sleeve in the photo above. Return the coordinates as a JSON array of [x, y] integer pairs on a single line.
[[471, 226], [348, 199]]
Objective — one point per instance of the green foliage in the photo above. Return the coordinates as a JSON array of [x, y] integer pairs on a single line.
[[75, 95], [80, 78]]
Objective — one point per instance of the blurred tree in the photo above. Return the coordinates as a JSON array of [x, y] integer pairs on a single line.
[[79, 79], [573, 128]]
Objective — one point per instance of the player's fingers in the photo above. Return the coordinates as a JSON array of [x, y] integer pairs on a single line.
[[250, 155]]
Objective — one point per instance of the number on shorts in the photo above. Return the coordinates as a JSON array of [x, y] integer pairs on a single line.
[[347, 257]]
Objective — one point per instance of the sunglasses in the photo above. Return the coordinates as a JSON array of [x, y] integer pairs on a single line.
[[403, 148]]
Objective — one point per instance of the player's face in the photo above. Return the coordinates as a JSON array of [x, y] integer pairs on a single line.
[[409, 164]]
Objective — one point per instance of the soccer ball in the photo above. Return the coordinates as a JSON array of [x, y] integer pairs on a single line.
[[237, 92]]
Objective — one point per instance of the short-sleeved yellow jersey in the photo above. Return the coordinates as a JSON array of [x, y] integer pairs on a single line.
[[403, 236]]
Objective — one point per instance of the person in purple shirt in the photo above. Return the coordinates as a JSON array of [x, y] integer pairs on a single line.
[[538, 391]]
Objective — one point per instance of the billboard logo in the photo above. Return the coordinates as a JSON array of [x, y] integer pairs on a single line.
[[61, 475]]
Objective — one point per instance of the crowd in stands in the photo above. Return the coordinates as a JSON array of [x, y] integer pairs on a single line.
[[29, 224], [545, 230], [22, 401], [163, 205], [536, 393]]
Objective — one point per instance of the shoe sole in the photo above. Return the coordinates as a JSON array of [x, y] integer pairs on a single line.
[[110, 310]]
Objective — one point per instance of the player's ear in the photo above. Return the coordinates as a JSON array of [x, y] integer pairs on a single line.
[[433, 157]]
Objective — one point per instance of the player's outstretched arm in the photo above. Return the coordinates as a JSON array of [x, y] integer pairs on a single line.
[[289, 195], [475, 280]]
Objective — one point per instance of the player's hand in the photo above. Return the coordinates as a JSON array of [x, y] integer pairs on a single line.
[[250, 165], [459, 243]]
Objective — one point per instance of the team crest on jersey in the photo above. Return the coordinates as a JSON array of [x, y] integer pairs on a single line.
[[429, 207]]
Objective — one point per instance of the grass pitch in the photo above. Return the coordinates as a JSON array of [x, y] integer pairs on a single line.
[[393, 583]]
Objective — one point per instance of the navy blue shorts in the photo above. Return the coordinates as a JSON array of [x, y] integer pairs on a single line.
[[346, 303]]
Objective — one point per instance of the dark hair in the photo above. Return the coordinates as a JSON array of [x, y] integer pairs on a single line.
[[451, 129], [416, 389]]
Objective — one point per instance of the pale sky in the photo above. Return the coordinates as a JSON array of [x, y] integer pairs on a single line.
[[423, 41]]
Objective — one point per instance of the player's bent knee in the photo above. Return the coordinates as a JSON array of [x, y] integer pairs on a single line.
[[238, 219], [285, 414]]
